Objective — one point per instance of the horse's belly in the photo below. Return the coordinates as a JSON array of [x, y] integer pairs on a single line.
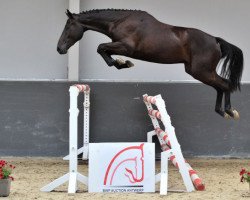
[[160, 49], [161, 55]]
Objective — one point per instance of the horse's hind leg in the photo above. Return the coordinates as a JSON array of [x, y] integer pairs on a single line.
[[222, 86], [118, 48], [210, 77], [228, 109], [218, 105], [207, 77]]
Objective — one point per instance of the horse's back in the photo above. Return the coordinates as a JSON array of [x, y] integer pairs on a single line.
[[154, 41], [136, 22]]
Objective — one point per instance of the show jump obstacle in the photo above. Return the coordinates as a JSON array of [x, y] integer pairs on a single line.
[[170, 147], [168, 141], [73, 175]]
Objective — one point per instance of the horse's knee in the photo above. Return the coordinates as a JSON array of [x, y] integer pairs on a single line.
[[100, 48]]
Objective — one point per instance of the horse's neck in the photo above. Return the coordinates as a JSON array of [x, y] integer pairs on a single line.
[[100, 22]]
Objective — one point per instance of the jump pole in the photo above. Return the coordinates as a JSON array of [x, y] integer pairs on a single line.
[[173, 152], [193, 174], [73, 175]]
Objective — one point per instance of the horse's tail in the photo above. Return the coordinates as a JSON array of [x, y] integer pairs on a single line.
[[233, 64]]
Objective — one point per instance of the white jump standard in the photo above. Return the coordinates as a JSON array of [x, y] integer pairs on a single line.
[[86, 110], [73, 175], [170, 146]]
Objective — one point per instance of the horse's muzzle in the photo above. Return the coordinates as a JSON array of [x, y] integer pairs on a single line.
[[61, 51]]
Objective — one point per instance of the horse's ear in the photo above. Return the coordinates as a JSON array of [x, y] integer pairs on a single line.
[[69, 14]]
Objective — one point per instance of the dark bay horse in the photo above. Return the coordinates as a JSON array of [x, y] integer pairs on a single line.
[[139, 35]]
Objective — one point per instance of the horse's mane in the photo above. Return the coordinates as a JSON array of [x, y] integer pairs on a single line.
[[104, 10]]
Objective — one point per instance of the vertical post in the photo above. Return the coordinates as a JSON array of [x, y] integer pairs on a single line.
[[164, 172], [86, 105], [73, 131], [73, 52]]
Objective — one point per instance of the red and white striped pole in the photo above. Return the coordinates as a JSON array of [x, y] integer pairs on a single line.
[[149, 99], [197, 181]]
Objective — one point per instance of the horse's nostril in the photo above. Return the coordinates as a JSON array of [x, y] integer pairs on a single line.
[[58, 49]]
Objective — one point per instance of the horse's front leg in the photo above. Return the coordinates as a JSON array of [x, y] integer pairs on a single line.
[[108, 49]]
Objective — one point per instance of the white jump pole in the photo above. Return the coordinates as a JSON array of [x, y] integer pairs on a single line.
[[73, 175]]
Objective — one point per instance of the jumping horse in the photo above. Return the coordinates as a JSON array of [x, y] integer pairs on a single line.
[[137, 34]]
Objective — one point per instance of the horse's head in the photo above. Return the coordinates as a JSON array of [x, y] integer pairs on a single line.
[[73, 31]]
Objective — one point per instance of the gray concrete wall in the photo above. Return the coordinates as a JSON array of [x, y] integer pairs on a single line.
[[34, 117]]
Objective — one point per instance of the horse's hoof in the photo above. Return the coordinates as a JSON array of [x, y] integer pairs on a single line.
[[129, 63], [236, 115], [227, 116], [120, 61]]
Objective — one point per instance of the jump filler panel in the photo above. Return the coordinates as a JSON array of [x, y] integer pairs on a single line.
[[122, 167]]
